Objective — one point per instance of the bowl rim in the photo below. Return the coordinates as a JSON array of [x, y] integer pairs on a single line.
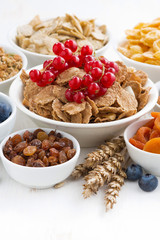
[[81, 125], [20, 132], [133, 147], [14, 51], [131, 60], [11, 34], [13, 106]]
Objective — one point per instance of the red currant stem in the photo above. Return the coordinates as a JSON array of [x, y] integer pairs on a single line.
[[47, 66]]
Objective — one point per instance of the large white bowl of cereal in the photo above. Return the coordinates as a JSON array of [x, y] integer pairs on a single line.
[[35, 38], [93, 102]]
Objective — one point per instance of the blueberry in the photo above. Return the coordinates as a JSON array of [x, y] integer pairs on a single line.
[[134, 172], [5, 111], [148, 182]]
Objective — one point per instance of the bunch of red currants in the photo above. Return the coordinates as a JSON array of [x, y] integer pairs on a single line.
[[100, 73]]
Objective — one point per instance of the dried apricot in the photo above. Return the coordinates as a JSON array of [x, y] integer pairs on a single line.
[[157, 122], [155, 114], [136, 143], [152, 145], [154, 134], [143, 134], [29, 151], [150, 124]]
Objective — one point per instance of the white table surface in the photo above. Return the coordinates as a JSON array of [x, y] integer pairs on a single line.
[[63, 214]]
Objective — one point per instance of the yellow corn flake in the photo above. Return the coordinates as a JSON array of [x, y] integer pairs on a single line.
[[143, 43]]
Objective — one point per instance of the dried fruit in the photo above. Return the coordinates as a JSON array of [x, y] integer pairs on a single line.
[[29, 151], [42, 136], [62, 157], [19, 160]]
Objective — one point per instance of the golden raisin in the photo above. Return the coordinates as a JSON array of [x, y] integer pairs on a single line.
[[71, 153], [20, 146], [16, 139], [30, 162], [53, 160], [37, 131], [19, 160], [28, 136], [62, 157], [42, 136], [58, 145], [66, 149], [46, 161], [67, 142], [36, 142], [41, 154], [38, 163], [29, 151], [54, 152], [45, 144]]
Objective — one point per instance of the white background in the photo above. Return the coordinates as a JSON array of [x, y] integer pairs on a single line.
[[63, 214]]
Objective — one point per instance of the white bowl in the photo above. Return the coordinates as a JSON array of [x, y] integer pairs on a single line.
[[6, 127], [149, 161], [37, 58], [88, 135], [157, 106], [40, 177], [4, 86], [153, 71]]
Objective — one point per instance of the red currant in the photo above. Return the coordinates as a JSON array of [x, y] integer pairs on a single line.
[[93, 88], [48, 77], [58, 47], [78, 97], [112, 70], [104, 61], [88, 58], [98, 64], [47, 64], [66, 54], [87, 79], [75, 83], [71, 44], [102, 91], [74, 61], [54, 71], [86, 50], [58, 63], [85, 92], [69, 95], [41, 83], [108, 79], [96, 73], [114, 65], [81, 59], [88, 66], [35, 75]]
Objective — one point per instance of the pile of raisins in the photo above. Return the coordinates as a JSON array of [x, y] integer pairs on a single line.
[[39, 149]]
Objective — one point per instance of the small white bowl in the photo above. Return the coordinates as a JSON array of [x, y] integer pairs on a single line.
[[4, 86], [149, 161], [37, 58], [40, 177], [153, 71], [7, 126], [157, 106], [88, 135]]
